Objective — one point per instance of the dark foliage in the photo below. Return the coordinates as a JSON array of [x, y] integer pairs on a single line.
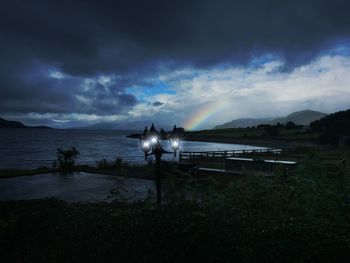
[[291, 126], [338, 122], [271, 131], [329, 137], [264, 126], [66, 158], [301, 217], [104, 164], [335, 128]]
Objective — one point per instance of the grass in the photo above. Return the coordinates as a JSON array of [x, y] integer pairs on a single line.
[[254, 134], [135, 170], [234, 133], [5, 173], [302, 217]]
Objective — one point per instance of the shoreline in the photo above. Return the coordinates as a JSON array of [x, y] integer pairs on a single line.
[[263, 142], [258, 142], [272, 142], [230, 141], [195, 138], [132, 171]]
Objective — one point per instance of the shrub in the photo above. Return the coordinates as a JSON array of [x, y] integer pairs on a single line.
[[271, 131], [119, 162], [329, 137], [66, 158], [104, 164]]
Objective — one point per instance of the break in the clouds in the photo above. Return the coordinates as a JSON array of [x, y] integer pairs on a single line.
[[207, 97], [196, 63]]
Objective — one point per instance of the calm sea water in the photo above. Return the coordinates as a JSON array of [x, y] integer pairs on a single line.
[[31, 148]]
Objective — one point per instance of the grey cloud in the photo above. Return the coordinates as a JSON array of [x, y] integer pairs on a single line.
[[36, 92], [157, 103], [86, 37], [131, 39]]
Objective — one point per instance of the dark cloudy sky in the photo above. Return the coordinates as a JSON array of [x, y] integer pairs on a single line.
[[76, 63]]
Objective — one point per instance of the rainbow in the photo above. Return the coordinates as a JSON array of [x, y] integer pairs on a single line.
[[202, 114]]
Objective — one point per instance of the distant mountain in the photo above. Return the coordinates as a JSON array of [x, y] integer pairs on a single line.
[[11, 124], [134, 125], [16, 124], [304, 117], [101, 126], [242, 123]]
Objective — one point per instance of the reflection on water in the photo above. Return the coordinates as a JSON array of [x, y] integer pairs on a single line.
[[73, 187], [31, 148]]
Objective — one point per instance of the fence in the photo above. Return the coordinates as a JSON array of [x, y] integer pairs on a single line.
[[183, 156]]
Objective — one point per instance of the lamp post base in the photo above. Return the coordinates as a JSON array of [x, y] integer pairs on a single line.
[[158, 180]]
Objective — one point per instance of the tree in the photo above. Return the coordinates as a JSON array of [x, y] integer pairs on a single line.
[[271, 131], [66, 158], [329, 137], [291, 125]]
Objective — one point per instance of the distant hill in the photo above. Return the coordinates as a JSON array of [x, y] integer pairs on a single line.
[[11, 124], [304, 117], [242, 123], [16, 124], [133, 125]]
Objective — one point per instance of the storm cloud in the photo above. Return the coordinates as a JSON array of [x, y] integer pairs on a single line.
[[83, 56]]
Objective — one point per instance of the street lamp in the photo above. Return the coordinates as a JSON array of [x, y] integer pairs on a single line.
[[150, 145], [145, 145], [154, 140], [174, 144]]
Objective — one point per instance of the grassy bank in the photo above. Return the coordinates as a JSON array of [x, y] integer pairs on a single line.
[[126, 170], [138, 171], [256, 136], [303, 217], [6, 173]]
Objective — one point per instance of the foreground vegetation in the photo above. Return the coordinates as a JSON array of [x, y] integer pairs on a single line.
[[301, 217]]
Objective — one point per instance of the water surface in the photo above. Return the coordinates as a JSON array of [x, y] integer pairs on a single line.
[[31, 148], [73, 187]]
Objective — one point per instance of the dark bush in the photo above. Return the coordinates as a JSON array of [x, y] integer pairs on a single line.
[[271, 131], [338, 122], [66, 158], [119, 162], [329, 138], [291, 126], [104, 164]]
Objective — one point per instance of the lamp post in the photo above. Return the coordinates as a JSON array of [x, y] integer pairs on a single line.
[[175, 144], [150, 145]]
